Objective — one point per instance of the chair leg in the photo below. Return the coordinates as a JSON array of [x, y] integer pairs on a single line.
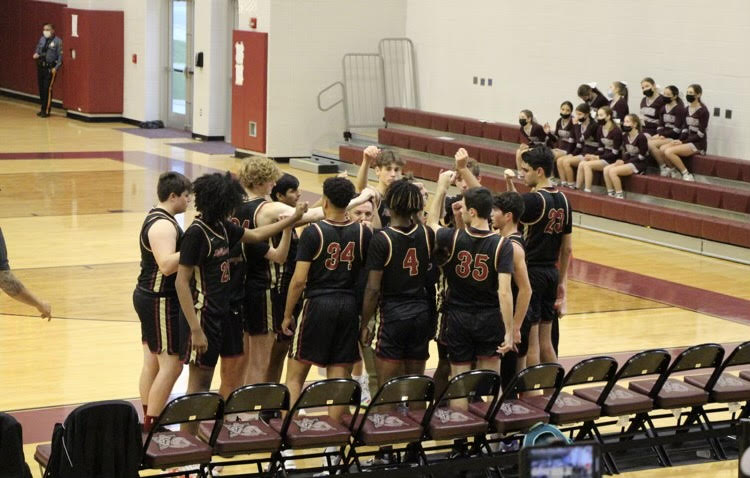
[[660, 451]]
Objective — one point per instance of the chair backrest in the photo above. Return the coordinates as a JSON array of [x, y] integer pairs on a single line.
[[405, 389], [545, 376], [258, 397], [739, 356], [326, 393], [472, 385], [592, 370], [693, 358], [648, 362]]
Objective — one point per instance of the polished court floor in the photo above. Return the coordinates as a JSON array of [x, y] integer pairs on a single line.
[[72, 198]]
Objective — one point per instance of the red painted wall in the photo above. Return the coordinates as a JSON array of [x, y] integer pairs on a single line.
[[249, 100], [94, 80], [21, 23]]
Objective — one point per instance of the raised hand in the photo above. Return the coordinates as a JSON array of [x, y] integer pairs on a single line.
[[462, 158], [370, 154]]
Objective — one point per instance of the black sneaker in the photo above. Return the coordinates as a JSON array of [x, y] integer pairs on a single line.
[[44, 115], [39, 113]]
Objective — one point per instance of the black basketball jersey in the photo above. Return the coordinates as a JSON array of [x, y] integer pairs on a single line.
[[206, 248], [517, 238], [546, 218], [336, 251], [474, 259], [403, 254], [150, 278]]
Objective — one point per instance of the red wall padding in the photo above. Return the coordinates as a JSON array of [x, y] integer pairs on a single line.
[[21, 23], [249, 100], [94, 79]]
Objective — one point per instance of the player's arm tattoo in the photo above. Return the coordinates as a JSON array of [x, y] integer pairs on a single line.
[[10, 284]]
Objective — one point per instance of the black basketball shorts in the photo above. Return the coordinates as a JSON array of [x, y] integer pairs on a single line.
[[403, 330], [472, 333], [224, 334], [544, 281], [160, 322]]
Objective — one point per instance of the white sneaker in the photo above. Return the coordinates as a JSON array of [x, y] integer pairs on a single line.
[[611, 193], [363, 381], [586, 190], [664, 171], [674, 174], [619, 195], [688, 177]]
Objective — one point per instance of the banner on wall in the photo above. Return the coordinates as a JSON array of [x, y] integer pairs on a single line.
[[239, 63]]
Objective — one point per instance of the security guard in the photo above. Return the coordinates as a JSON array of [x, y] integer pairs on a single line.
[[48, 56]]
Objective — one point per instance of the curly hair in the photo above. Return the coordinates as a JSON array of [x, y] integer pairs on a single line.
[[404, 198], [217, 195], [339, 191], [257, 170]]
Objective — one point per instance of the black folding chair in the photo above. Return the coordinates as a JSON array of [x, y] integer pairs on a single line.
[[254, 435], [321, 430], [451, 422], [383, 423], [617, 401], [670, 393], [509, 415], [164, 449]]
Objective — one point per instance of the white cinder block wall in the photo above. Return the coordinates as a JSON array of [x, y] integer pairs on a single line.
[[537, 53]]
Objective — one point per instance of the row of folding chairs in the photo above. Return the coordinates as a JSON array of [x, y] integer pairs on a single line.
[[473, 410]]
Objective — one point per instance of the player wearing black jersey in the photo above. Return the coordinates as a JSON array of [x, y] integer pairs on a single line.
[[330, 256], [155, 297], [204, 259], [398, 264], [547, 221], [507, 209], [477, 264]]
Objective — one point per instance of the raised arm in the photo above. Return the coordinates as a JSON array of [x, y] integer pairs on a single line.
[[279, 253], [435, 211], [162, 237], [368, 158], [462, 158], [264, 232]]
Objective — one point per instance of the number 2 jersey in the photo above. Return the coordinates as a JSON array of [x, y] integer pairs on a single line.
[[471, 259], [206, 248], [547, 217], [336, 252]]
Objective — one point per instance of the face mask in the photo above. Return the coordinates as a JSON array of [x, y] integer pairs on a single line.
[[582, 119], [690, 98], [627, 128], [649, 92], [610, 94], [668, 99], [601, 122], [564, 115], [522, 122], [47, 34]]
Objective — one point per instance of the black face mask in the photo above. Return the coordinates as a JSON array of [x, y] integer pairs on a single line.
[[564, 115], [522, 122], [627, 128], [601, 122], [690, 98], [667, 99], [583, 119], [649, 92]]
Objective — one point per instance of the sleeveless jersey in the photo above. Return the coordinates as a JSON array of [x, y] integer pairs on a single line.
[[517, 238], [546, 219], [336, 252], [472, 266], [404, 258], [150, 279], [248, 270]]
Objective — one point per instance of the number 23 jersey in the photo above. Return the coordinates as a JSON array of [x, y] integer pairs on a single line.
[[336, 252], [474, 259], [547, 217]]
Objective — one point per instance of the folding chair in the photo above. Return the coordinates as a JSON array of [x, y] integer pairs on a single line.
[[617, 401], [384, 424], [96, 439], [237, 437], [441, 422], [318, 431], [671, 394], [511, 415], [167, 448]]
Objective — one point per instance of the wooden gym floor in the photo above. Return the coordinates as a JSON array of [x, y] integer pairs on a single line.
[[72, 198]]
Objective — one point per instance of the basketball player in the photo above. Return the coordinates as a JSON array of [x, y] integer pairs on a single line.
[[477, 264], [547, 220], [258, 175], [389, 167], [507, 209], [398, 262], [213, 330], [155, 298], [329, 259]]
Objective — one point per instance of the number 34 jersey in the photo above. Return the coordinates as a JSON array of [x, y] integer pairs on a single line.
[[547, 218], [336, 252], [474, 259]]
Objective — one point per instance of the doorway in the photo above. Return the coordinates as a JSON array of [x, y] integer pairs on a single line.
[[180, 65]]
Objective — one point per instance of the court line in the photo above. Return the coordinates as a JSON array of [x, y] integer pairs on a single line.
[[635, 309], [55, 317]]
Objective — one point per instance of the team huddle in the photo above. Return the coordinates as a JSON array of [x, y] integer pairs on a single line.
[[259, 277]]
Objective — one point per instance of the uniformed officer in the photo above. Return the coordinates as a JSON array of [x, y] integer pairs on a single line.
[[48, 56]]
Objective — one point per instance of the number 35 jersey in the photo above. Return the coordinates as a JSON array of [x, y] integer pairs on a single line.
[[336, 253], [547, 217], [404, 255], [474, 259]]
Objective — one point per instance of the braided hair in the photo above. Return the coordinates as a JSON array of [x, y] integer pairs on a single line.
[[404, 198]]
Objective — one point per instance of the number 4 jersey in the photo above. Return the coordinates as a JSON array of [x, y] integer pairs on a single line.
[[336, 251], [547, 217], [474, 259]]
